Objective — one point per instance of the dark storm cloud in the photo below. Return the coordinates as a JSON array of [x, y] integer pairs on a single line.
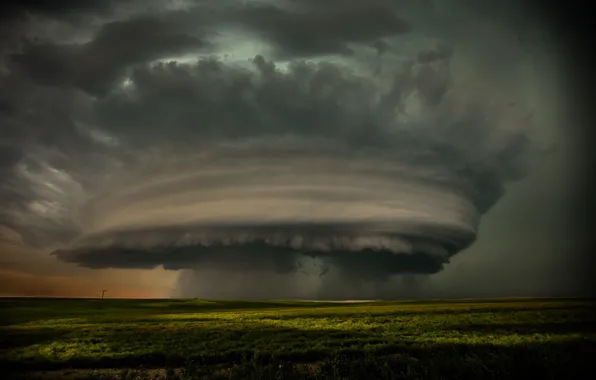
[[266, 132], [213, 99], [96, 65], [47, 154], [41, 119], [130, 148], [301, 31], [57, 8], [360, 250], [365, 264], [313, 29]]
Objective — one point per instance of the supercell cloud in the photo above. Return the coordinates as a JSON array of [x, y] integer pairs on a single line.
[[365, 138]]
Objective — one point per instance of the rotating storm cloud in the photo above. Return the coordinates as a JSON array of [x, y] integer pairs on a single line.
[[262, 142]]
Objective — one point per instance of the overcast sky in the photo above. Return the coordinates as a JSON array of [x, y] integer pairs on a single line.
[[285, 148]]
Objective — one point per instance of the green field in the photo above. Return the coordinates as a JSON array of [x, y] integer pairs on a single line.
[[188, 339]]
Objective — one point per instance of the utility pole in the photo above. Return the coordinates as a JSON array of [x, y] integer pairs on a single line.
[[103, 292]]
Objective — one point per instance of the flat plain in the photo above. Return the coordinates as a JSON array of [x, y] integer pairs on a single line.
[[196, 339]]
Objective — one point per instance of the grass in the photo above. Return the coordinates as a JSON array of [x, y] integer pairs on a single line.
[[187, 339]]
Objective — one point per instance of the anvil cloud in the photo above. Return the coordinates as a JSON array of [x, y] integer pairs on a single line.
[[252, 135]]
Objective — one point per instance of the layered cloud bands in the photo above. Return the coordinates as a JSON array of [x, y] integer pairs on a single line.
[[256, 212]]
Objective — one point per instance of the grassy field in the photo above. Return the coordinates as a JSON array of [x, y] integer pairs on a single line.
[[188, 339]]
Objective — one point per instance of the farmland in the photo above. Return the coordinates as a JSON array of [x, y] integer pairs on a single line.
[[187, 339]]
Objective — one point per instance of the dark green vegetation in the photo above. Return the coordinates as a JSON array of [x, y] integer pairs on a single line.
[[187, 339]]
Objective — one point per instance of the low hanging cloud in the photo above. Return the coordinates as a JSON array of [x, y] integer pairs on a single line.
[[355, 145]]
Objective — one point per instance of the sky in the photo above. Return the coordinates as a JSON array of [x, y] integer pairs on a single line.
[[285, 149]]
